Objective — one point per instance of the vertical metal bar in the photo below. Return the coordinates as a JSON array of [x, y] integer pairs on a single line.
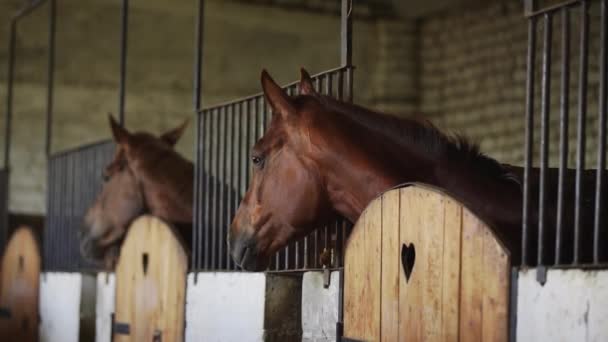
[[200, 148], [346, 34], [222, 184], [50, 77], [601, 138], [563, 129], [529, 137], [123, 60], [582, 113], [229, 138], [206, 169], [340, 90], [9, 93], [198, 170], [198, 55], [315, 256], [328, 85], [215, 197], [544, 137], [235, 170]]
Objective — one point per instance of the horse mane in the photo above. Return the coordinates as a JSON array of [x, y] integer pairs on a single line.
[[422, 134]]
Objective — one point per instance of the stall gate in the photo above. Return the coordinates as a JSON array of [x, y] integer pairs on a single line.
[[150, 284], [19, 284], [421, 267]]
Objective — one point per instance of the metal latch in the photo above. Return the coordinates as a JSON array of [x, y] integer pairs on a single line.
[[121, 328]]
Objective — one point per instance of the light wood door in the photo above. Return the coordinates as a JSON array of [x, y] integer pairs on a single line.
[[458, 285], [150, 284], [19, 288]]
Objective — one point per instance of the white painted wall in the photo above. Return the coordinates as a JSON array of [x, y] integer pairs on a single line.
[[571, 306], [225, 306], [104, 306], [60, 306], [319, 307]]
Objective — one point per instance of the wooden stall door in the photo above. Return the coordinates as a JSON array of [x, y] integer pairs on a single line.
[[150, 284], [458, 288], [19, 286]]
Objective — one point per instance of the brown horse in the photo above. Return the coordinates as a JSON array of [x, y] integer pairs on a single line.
[[146, 176], [321, 157]]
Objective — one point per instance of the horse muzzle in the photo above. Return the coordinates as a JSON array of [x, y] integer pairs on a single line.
[[245, 254]]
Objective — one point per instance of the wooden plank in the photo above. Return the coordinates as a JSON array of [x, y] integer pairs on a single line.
[[451, 277], [496, 265], [410, 293], [391, 266], [362, 276], [471, 293], [431, 244], [151, 283], [19, 287]]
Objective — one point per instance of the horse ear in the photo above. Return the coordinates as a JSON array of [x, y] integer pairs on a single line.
[[121, 135], [171, 137], [306, 87], [276, 97]]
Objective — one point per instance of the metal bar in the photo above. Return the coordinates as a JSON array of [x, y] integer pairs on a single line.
[[50, 76], [214, 195], [198, 55], [123, 60], [346, 33], [601, 138], [553, 8], [9, 93], [229, 158], [206, 222], [261, 95], [222, 184], [196, 219], [582, 113], [529, 137], [563, 129], [544, 136], [235, 169]]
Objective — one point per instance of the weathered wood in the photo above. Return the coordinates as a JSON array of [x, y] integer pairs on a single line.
[[362, 277], [459, 286], [451, 272], [471, 292], [19, 288], [151, 283], [391, 266]]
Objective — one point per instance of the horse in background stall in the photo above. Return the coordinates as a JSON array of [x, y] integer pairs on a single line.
[[321, 157], [146, 176]]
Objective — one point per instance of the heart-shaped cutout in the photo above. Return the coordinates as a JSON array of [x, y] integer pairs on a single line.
[[408, 258]]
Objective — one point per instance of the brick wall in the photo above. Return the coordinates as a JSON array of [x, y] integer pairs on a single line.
[[464, 68], [239, 42], [473, 76]]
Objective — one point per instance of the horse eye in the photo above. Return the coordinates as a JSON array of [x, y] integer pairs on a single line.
[[257, 160]]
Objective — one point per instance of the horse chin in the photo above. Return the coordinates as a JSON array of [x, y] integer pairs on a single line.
[[254, 263], [90, 251]]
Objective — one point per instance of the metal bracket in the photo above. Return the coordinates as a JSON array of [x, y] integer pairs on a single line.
[[326, 278], [541, 275], [122, 328], [5, 313]]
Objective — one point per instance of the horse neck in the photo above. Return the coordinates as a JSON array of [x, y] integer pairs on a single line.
[[166, 182], [367, 167], [358, 170]]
